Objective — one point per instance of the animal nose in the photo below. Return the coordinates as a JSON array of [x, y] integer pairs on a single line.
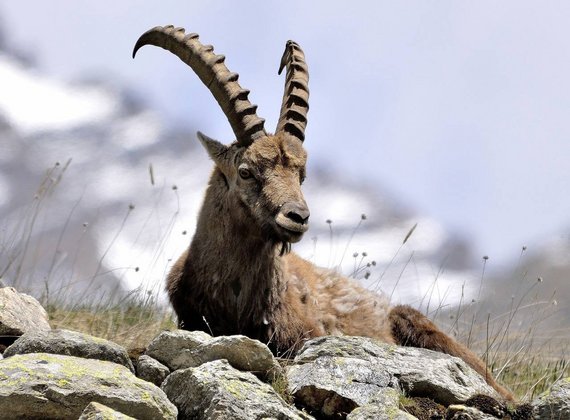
[[297, 212]]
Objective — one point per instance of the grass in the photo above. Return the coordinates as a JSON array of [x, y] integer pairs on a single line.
[[512, 343], [132, 326]]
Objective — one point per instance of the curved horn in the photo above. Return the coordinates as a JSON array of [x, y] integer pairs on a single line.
[[210, 68], [295, 105]]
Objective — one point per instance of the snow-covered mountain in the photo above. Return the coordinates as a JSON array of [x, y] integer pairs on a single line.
[[97, 197]]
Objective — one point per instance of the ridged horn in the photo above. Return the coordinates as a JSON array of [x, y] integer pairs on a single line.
[[295, 105], [212, 71]]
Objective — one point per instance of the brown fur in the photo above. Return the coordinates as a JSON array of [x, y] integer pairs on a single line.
[[234, 278]]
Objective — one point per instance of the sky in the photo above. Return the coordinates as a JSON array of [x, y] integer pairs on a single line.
[[459, 109]]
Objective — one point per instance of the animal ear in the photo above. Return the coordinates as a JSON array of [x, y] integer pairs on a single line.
[[215, 149]]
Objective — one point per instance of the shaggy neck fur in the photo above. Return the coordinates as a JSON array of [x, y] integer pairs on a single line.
[[238, 267]]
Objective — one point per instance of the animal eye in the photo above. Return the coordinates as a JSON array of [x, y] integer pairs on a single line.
[[244, 173], [302, 179]]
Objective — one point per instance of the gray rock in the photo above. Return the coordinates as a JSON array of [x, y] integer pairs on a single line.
[[184, 349], [461, 412], [96, 411], [151, 370], [240, 351], [355, 368], [70, 343], [217, 390], [52, 386], [168, 344], [337, 384], [385, 407], [20, 313], [554, 403]]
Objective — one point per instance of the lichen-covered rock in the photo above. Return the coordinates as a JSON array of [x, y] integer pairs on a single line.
[[151, 370], [52, 386], [462, 412], [555, 403], [192, 348], [240, 351], [332, 385], [20, 313], [168, 344], [96, 411], [385, 407], [217, 390], [70, 343], [377, 412], [352, 368]]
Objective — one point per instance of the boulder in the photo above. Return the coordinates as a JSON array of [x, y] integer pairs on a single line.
[[554, 403], [168, 344], [52, 386], [462, 412], [217, 390], [332, 385], [184, 349], [351, 371], [20, 313], [70, 343], [385, 407], [151, 370], [96, 411]]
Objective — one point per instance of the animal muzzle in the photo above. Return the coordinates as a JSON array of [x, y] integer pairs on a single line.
[[293, 217]]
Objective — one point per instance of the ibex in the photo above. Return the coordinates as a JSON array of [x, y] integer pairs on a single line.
[[238, 275]]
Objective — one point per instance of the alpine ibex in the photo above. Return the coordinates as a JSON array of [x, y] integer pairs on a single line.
[[238, 276]]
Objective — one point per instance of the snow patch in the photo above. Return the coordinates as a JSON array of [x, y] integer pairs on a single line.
[[32, 102]]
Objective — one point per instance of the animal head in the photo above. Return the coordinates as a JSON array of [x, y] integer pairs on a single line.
[[262, 172]]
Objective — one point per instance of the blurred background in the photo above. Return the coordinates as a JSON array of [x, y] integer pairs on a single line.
[[450, 117]]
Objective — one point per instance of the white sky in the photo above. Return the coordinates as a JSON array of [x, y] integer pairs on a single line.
[[461, 109]]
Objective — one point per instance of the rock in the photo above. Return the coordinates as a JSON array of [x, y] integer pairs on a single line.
[[168, 344], [385, 407], [217, 390], [151, 370], [50, 386], [554, 403], [354, 369], [20, 313], [96, 411], [240, 351], [377, 412], [462, 412], [191, 349], [70, 343], [332, 385]]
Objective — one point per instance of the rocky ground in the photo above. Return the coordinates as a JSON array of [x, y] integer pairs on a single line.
[[62, 374]]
